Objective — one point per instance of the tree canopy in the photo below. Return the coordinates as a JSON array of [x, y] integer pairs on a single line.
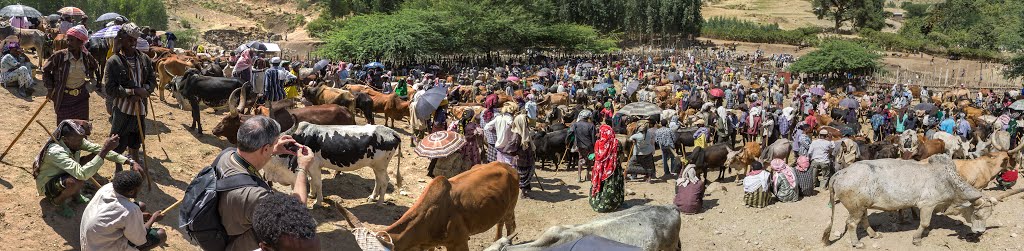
[[862, 13], [451, 27], [837, 56], [633, 18], [143, 12]]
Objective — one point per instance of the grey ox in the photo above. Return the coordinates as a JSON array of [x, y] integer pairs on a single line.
[[650, 228], [892, 184]]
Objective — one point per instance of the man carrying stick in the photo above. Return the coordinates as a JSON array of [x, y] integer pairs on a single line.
[[59, 171], [128, 80]]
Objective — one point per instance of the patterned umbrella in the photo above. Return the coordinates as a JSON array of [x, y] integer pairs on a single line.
[[108, 32], [71, 11], [440, 144], [1017, 105], [640, 109]]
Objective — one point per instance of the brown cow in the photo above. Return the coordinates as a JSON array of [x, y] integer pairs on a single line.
[[169, 67], [391, 106], [554, 100], [980, 171], [362, 88], [741, 160], [451, 210], [929, 147], [322, 94], [329, 114]]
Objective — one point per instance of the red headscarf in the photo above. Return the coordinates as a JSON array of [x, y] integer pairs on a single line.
[[490, 102], [605, 157]]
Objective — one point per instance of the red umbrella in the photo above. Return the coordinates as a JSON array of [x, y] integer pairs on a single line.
[[440, 144], [717, 92]]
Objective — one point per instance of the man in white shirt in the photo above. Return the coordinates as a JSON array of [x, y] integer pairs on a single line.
[[112, 221]]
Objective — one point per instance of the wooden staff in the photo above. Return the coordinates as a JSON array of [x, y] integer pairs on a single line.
[[47, 132], [172, 206], [142, 138], [25, 127], [152, 110]]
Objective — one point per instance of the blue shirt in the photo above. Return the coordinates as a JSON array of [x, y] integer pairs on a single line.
[[947, 125]]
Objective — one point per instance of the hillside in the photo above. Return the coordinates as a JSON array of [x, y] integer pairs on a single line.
[[228, 23]]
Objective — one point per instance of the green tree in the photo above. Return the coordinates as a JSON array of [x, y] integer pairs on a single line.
[[836, 57], [1016, 68], [862, 13]]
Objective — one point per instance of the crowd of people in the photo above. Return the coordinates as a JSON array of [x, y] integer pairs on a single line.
[[708, 94]]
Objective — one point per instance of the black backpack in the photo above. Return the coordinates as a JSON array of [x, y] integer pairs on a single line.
[[199, 216]]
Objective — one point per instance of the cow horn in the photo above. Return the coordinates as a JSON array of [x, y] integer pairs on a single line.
[[244, 95], [1015, 150], [232, 108]]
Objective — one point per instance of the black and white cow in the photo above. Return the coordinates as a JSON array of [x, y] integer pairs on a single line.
[[342, 148]]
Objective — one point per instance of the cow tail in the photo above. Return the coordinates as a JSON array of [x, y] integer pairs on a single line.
[[832, 206], [398, 169]]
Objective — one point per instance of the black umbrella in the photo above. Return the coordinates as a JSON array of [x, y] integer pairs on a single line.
[[673, 76], [321, 64], [18, 10], [849, 103], [928, 107], [254, 45]]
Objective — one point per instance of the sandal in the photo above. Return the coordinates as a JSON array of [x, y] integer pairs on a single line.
[[82, 199]]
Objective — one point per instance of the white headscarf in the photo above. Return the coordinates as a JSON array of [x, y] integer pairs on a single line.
[[689, 176]]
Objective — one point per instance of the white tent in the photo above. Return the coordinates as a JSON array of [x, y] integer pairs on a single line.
[[272, 47]]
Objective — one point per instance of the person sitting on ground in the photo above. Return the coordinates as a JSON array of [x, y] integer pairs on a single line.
[[13, 70], [689, 191], [282, 222], [112, 221], [755, 186], [784, 181], [59, 171]]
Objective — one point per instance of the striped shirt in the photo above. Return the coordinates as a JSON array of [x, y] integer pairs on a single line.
[[125, 104], [273, 85]]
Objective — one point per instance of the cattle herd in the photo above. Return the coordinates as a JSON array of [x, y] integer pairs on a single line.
[[879, 161]]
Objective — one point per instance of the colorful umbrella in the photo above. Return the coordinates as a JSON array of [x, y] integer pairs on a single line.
[[71, 11], [108, 32], [440, 144], [513, 78], [1018, 105], [18, 10], [640, 109], [717, 92]]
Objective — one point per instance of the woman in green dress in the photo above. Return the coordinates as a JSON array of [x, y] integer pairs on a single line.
[[606, 190]]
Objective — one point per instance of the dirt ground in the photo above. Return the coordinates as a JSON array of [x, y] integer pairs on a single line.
[[28, 222]]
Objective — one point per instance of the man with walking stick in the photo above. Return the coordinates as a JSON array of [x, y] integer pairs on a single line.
[[128, 80]]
